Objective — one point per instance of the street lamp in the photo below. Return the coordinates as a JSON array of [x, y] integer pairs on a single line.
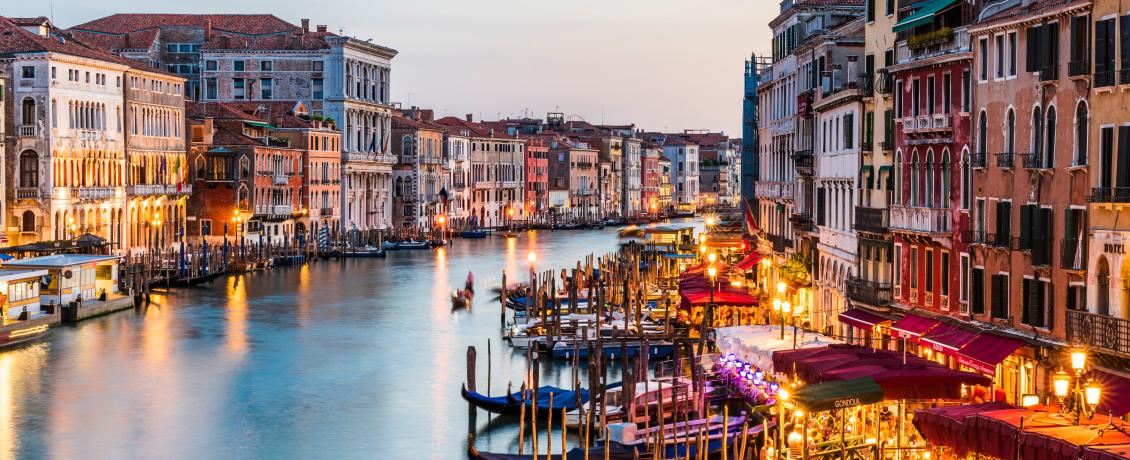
[[712, 257], [1079, 400]]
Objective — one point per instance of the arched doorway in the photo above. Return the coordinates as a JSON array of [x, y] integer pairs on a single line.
[[1102, 303]]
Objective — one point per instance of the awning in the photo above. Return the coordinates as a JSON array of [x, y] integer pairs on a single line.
[[923, 16], [842, 394], [986, 351], [912, 327], [862, 319], [947, 338], [944, 426], [1112, 384], [867, 174], [749, 261], [258, 124], [698, 297]]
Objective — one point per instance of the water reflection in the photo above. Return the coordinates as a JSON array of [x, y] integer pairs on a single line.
[[351, 359]]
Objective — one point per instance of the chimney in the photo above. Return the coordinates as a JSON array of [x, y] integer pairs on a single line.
[[305, 26], [207, 29], [470, 117], [322, 28]]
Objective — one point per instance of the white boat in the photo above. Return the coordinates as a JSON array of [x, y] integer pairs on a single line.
[[673, 389]]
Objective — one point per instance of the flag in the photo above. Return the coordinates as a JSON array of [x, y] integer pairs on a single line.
[[750, 222], [443, 195]]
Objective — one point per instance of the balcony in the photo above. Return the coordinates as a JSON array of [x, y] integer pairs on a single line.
[[281, 209], [868, 292], [1080, 68], [326, 212], [90, 135], [1049, 73], [1034, 161], [874, 220], [1006, 160], [280, 179], [1105, 78], [867, 146], [1073, 254], [28, 131], [927, 123], [94, 193], [977, 160], [934, 221], [930, 45], [780, 243], [1110, 195], [802, 223], [157, 189], [27, 193], [1105, 333], [774, 190], [989, 239]]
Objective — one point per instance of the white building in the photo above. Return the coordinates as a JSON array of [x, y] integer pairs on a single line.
[[66, 170], [631, 201], [684, 170], [458, 149]]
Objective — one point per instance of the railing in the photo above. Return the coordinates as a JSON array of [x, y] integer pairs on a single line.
[[1104, 78], [977, 160], [867, 146], [1110, 195], [773, 189], [89, 135], [27, 193], [922, 220], [326, 212], [802, 223], [1079, 68], [804, 161], [281, 209], [1099, 331], [959, 42], [868, 292], [866, 85], [157, 189], [280, 179], [1041, 251], [989, 239], [28, 131], [1034, 161], [875, 220], [1073, 254], [95, 193], [937, 121], [1006, 160]]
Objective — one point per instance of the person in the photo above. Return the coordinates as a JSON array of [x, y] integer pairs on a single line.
[[470, 286]]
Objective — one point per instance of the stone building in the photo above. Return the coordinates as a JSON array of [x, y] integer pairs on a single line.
[[420, 172], [497, 168], [66, 165]]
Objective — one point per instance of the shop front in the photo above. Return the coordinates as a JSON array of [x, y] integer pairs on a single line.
[[72, 277]]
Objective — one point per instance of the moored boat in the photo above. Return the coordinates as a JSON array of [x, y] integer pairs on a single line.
[[511, 404], [473, 234]]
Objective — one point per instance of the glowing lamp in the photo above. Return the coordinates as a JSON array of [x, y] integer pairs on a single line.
[[712, 257], [709, 221], [712, 271], [702, 238], [702, 248], [1092, 392], [776, 304], [1078, 360], [781, 286], [785, 307], [783, 394], [1061, 381], [798, 414], [1029, 400]]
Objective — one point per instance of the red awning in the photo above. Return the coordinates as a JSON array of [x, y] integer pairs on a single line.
[[1116, 452], [749, 261], [862, 319], [944, 426], [1112, 384], [698, 297], [947, 338], [912, 326], [986, 351]]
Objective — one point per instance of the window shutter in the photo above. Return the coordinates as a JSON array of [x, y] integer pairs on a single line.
[[978, 287], [1026, 307], [1122, 164], [1049, 310], [999, 285], [1124, 36], [1026, 227], [1031, 54], [1051, 32], [1100, 47]]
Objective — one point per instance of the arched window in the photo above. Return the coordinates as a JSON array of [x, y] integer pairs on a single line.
[[1010, 132], [1037, 132], [29, 169], [1081, 129], [944, 170], [983, 134], [406, 149], [914, 179], [1049, 151], [27, 222], [54, 114], [897, 198], [928, 178], [966, 181]]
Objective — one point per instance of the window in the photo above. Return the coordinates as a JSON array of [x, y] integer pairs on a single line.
[[944, 281], [1124, 47], [1123, 163], [1004, 222], [1000, 56], [1081, 128], [1035, 302], [871, 10], [1106, 157], [898, 99], [237, 66], [238, 89], [1104, 53], [913, 267], [265, 66], [966, 91], [931, 95], [1074, 236], [966, 182], [1012, 54], [210, 65], [983, 134], [29, 169], [316, 66], [915, 96], [964, 288], [984, 47], [890, 7], [1037, 132], [266, 88], [1010, 133], [1049, 138], [849, 130], [210, 88], [999, 295], [947, 93], [977, 288], [898, 265], [929, 271], [27, 72], [316, 86]]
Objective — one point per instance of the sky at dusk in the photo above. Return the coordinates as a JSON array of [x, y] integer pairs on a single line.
[[663, 64]]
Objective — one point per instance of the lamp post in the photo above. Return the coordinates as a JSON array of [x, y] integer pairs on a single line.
[[1078, 400]]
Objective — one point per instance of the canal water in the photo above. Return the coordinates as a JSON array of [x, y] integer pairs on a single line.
[[361, 358]]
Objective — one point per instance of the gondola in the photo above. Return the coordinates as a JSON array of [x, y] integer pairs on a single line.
[[511, 404], [367, 251], [413, 245], [473, 234]]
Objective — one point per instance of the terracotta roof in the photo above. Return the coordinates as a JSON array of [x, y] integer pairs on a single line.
[[219, 110], [703, 138], [248, 24], [17, 40], [1034, 9], [288, 41], [142, 39], [476, 129], [226, 136], [402, 122]]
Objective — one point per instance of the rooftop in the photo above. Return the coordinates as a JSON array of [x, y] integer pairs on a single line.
[[60, 260]]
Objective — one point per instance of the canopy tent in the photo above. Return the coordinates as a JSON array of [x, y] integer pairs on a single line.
[[749, 261], [1112, 383], [1108, 452], [924, 15], [821, 397], [990, 430], [986, 351], [902, 377], [702, 296], [757, 344], [946, 425]]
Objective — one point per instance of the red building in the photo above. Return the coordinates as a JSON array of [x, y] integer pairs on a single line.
[[245, 175], [649, 178], [537, 177], [929, 216]]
